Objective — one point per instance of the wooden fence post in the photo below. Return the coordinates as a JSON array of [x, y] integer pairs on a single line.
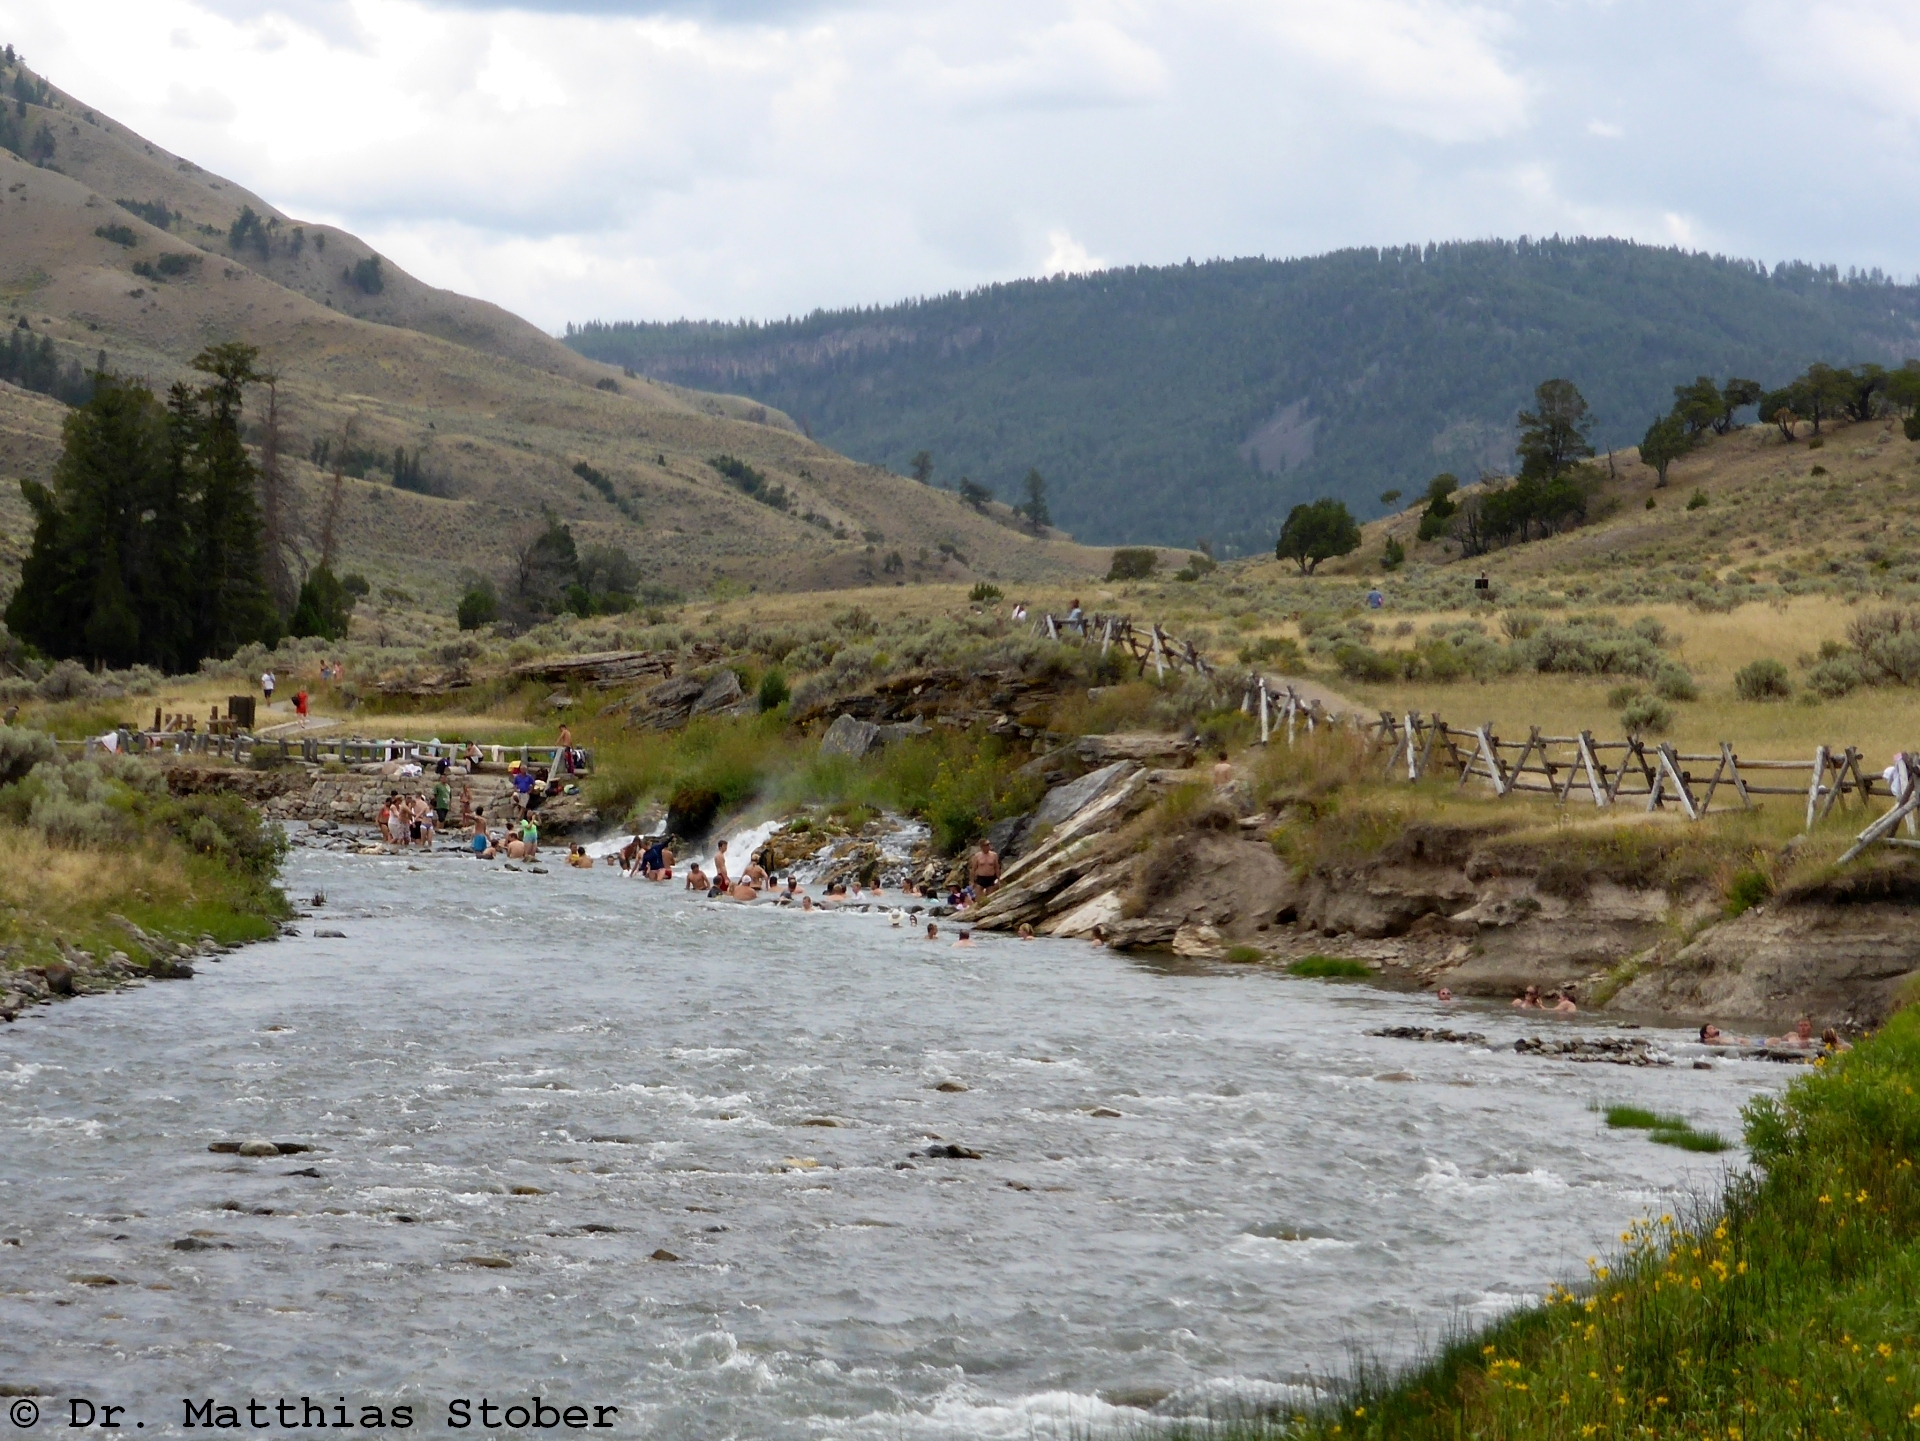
[[1813, 787]]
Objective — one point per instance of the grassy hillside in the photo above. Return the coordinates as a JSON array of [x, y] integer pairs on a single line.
[[118, 251], [1168, 403]]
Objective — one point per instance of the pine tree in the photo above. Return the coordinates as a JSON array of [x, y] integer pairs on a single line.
[[235, 605]]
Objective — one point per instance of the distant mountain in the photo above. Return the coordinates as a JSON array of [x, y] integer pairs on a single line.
[[1166, 404], [459, 427]]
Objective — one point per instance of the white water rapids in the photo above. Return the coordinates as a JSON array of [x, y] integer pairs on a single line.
[[569, 1072]]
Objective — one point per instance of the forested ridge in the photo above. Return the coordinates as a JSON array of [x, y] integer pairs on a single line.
[[1135, 391]]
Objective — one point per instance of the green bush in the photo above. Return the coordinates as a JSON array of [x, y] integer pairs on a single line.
[[1132, 563], [1697, 501], [1673, 681], [774, 691], [21, 750], [1364, 663], [1835, 677], [1646, 715], [1282, 652], [1764, 679], [222, 825], [1746, 890], [984, 593], [1887, 643], [478, 607], [1394, 556], [1519, 624]]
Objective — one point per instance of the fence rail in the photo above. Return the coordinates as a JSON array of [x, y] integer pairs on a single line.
[[351, 750], [1606, 772], [1148, 645]]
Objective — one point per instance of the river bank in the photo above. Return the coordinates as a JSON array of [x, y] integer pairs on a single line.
[[1741, 920], [108, 880], [1786, 1310]]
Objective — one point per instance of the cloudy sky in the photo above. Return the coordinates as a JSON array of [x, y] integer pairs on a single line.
[[577, 159]]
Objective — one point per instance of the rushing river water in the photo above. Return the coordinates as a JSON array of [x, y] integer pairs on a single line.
[[570, 1072]]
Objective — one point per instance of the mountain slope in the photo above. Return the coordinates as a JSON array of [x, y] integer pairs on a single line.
[[497, 413], [1165, 403]]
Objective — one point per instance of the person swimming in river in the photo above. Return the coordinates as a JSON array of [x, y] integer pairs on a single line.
[[1528, 1000], [1800, 1039], [662, 857], [579, 859], [966, 939], [1563, 1001], [696, 878]]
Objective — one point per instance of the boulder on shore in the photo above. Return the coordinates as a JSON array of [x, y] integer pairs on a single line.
[[854, 739]]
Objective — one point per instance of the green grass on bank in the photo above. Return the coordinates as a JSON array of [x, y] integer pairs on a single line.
[[1329, 968], [85, 839], [958, 782], [1787, 1311], [1666, 1129]]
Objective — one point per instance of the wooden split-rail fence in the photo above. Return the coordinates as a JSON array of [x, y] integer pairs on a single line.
[[1636, 769], [1145, 645], [351, 750]]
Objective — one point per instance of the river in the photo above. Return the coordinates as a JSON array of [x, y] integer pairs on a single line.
[[569, 1072]]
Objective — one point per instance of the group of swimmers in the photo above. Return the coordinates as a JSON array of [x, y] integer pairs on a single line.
[[1531, 1000], [1800, 1038]]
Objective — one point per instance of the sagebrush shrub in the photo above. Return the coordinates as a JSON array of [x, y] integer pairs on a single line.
[[1764, 679], [1647, 715]]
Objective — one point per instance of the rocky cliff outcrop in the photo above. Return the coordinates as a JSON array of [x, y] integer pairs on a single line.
[[1469, 906]]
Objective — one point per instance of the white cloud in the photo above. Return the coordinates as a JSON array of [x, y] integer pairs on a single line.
[[1067, 256], [1423, 66], [580, 158]]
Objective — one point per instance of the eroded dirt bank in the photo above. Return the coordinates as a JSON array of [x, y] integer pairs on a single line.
[[1628, 919]]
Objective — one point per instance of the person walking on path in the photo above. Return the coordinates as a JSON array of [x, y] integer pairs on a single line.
[[266, 685]]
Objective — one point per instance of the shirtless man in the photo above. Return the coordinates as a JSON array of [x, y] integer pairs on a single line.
[[966, 939], [1222, 772], [1563, 1002], [1800, 1040], [696, 878], [720, 875], [754, 875], [984, 867], [743, 890]]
